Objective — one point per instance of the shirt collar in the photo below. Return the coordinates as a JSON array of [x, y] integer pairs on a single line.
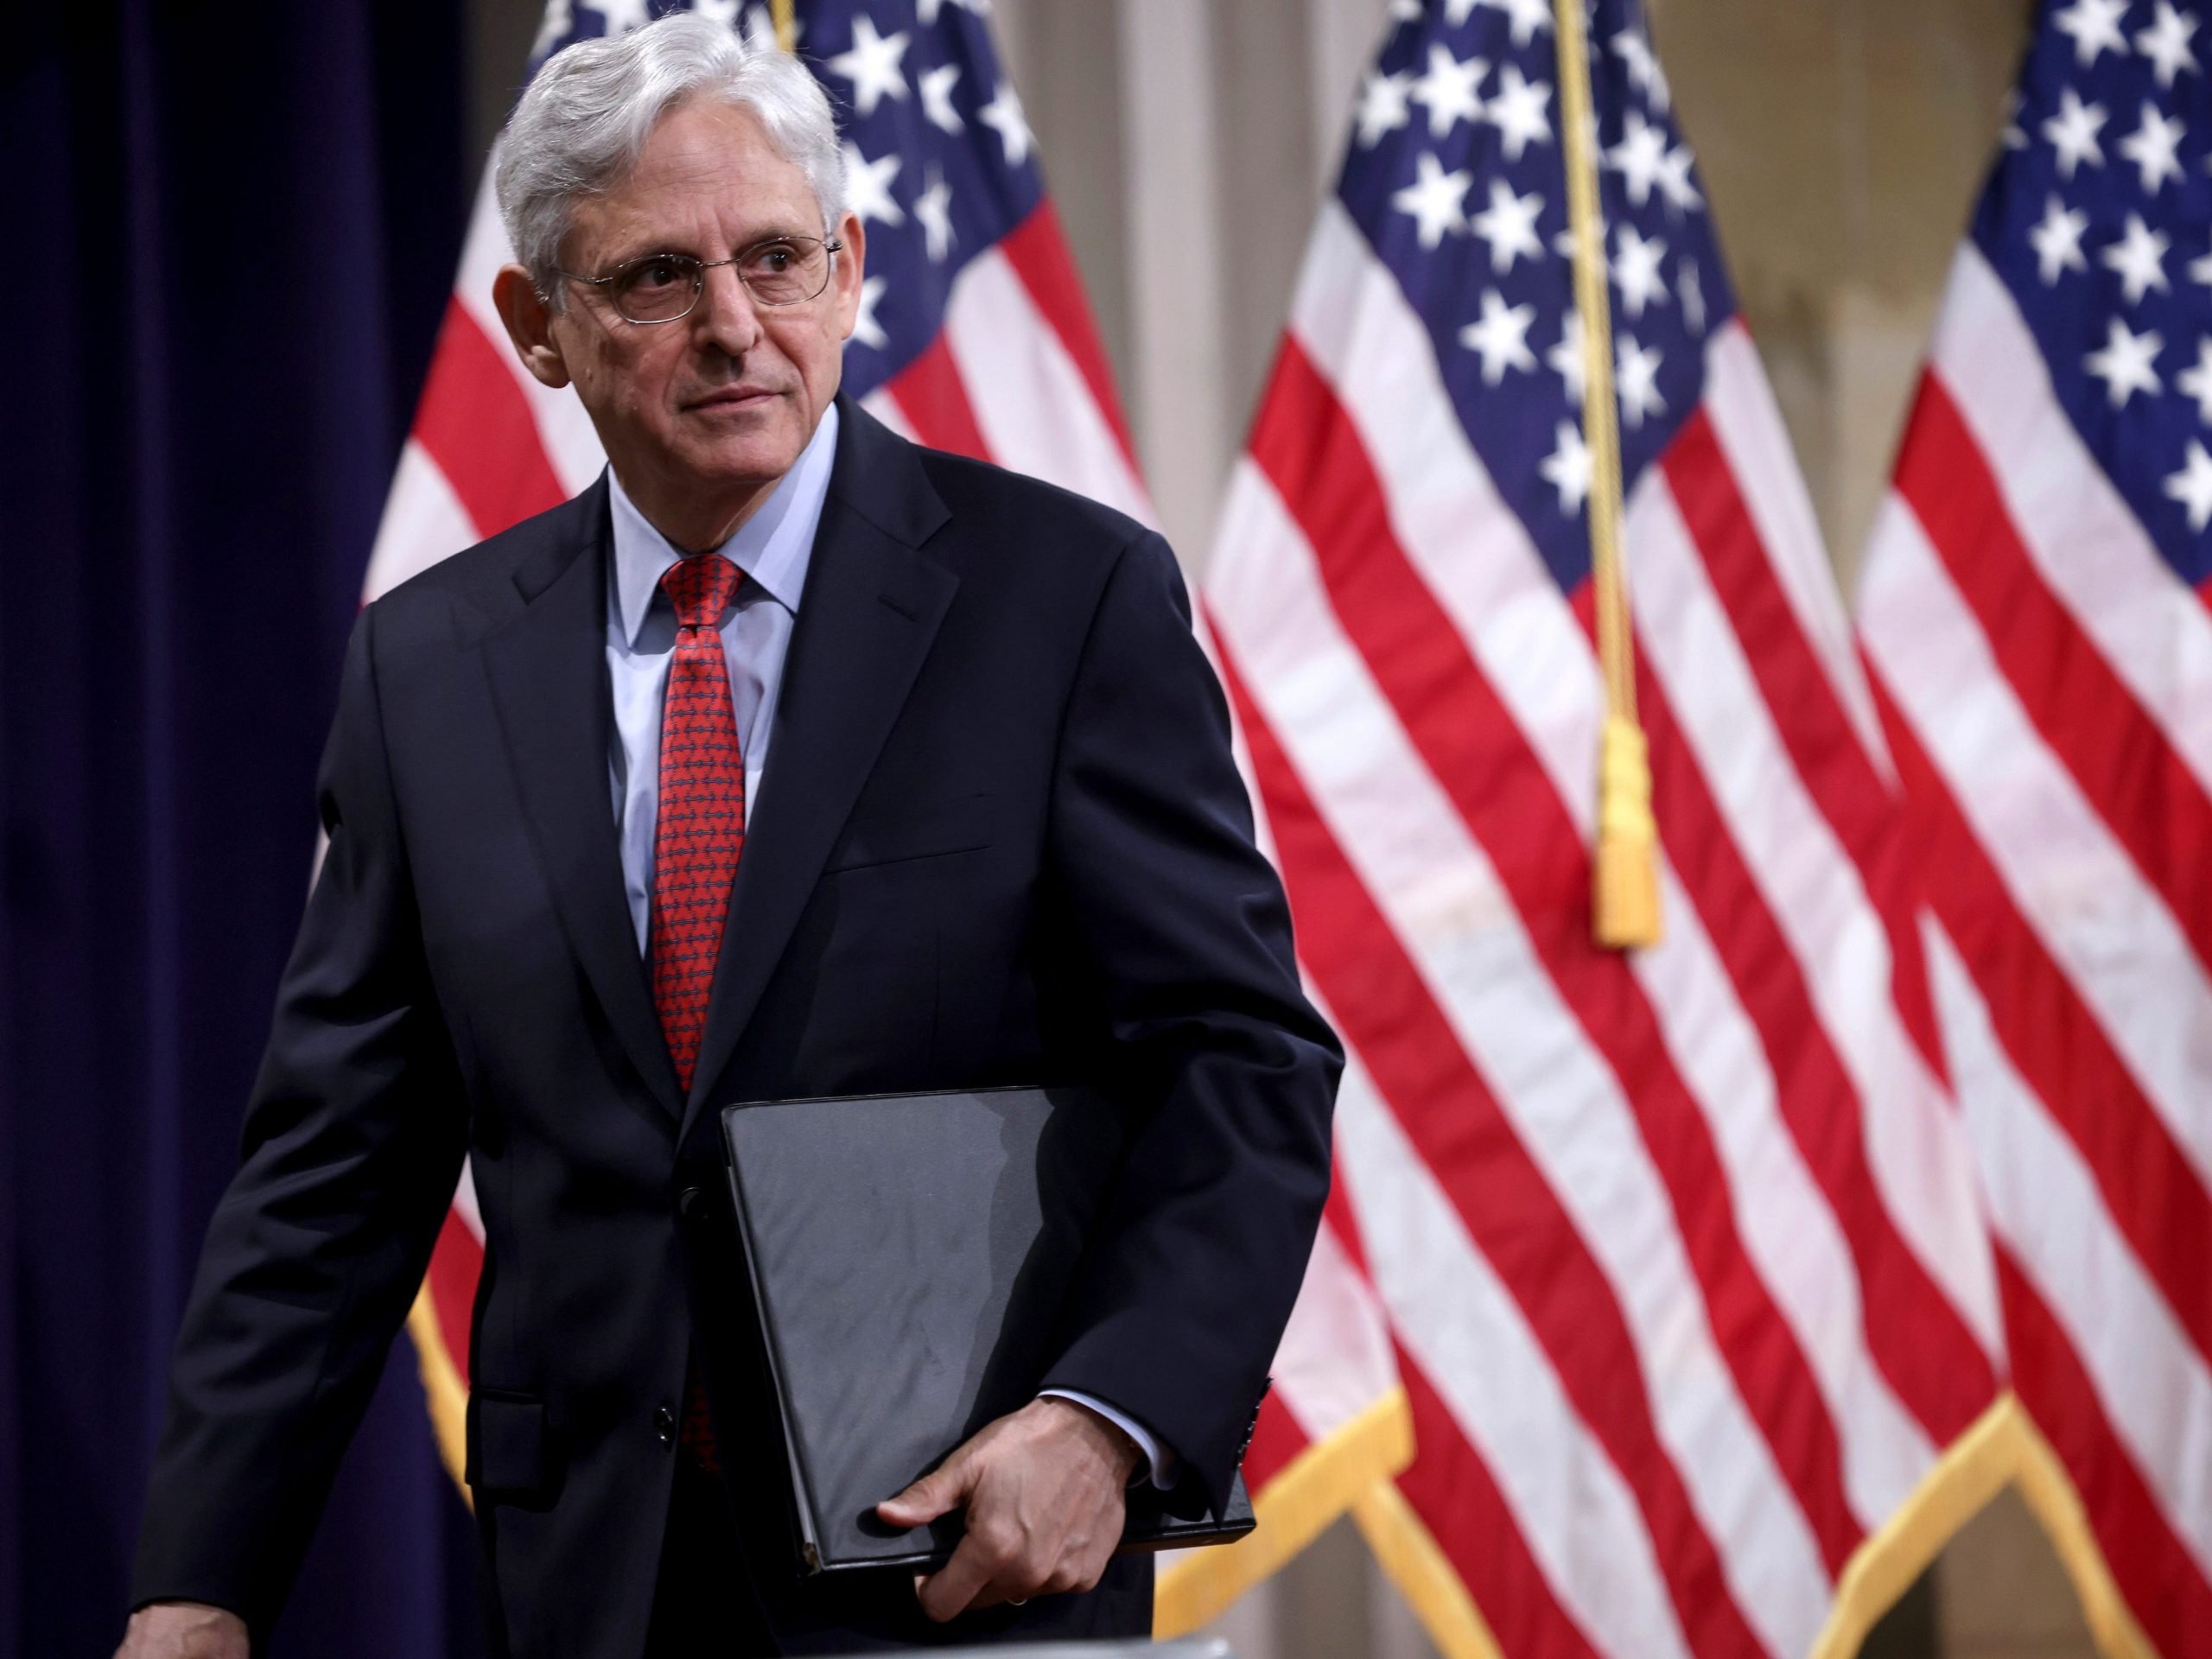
[[773, 547]]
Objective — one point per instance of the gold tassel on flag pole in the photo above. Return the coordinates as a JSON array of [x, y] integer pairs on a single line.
[[1626, 896], [786, 24]]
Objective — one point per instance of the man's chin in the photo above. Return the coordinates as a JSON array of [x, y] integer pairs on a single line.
[[739, 467], [732, 450], [751, 432]]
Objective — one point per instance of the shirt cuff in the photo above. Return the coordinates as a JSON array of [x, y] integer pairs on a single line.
[[1158, 1458]]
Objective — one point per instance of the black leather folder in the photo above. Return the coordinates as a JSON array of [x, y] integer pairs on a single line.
[[910, 1257]]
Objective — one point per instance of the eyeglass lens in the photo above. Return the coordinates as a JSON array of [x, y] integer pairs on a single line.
[[662, 287]]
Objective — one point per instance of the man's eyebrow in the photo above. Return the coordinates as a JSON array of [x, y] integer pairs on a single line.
[[773, 233], [651, 250], [751, 239]]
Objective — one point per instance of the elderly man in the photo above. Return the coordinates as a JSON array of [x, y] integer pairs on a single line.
[[789, 759]]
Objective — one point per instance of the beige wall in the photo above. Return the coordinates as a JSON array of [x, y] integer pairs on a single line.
[[1842, 151]]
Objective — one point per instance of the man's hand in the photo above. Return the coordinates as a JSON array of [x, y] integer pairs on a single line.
[[183, 1629], [1043, 1488]]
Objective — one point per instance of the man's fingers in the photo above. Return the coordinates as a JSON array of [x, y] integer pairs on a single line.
[[960, 1583], [1042, 1495], [924, 1500], [177, 1629], [937, 1493]]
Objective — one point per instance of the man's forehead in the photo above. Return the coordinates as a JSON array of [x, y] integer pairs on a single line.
[[706, 170]]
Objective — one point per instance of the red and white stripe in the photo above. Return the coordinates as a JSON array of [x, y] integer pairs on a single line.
[[2045, 679], [1681, 1250]]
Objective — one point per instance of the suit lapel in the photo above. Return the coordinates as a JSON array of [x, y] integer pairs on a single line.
[[548, 668], [866, 618]]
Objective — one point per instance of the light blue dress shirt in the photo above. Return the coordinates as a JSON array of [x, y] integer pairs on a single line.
[[773, 548]]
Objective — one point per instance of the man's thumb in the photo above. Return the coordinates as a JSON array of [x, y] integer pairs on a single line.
[[933, 1495]]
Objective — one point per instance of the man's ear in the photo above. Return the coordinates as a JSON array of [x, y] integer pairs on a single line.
[[529, 325], [850, 271]]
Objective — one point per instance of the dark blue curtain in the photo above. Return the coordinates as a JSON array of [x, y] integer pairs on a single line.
[[227, 235]]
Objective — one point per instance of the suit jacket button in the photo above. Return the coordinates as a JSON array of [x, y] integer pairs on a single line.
[[691, 1203], [665, 1425]]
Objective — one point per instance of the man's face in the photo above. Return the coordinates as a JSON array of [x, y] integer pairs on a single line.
[[713, 408]]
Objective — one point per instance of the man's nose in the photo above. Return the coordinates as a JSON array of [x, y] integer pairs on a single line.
[[725, 314]]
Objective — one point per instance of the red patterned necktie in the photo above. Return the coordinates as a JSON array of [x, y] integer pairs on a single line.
[[698, 834], [700, 829]]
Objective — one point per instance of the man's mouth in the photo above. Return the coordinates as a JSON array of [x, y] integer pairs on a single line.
[[732, 397]]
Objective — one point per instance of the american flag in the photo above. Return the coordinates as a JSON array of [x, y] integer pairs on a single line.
[[1681, 1251], [974, 336], [2033, 615]]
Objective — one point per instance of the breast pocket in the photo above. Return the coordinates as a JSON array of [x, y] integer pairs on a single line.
[[897, 834], [869, 959]]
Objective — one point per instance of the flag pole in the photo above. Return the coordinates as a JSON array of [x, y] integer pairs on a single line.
[[786, 24], [1625, 867]]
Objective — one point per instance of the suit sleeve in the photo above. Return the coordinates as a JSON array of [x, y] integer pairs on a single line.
[[1231, 1074], [354, 1140]]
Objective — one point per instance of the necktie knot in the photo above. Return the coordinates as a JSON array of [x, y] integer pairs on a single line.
[[700, 588]]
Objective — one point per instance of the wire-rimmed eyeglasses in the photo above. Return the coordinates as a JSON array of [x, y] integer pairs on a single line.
[[665, 286]]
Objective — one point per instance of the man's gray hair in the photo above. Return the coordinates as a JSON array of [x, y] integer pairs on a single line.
[[582, 124]]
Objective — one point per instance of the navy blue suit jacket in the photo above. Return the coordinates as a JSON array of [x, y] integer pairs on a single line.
[[1002, 840]]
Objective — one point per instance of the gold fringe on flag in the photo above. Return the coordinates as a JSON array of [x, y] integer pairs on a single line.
[[2003, 1448], [443, 1388], [1626, 881], [1411, 1558], [786, 24], [1352, 1466]]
